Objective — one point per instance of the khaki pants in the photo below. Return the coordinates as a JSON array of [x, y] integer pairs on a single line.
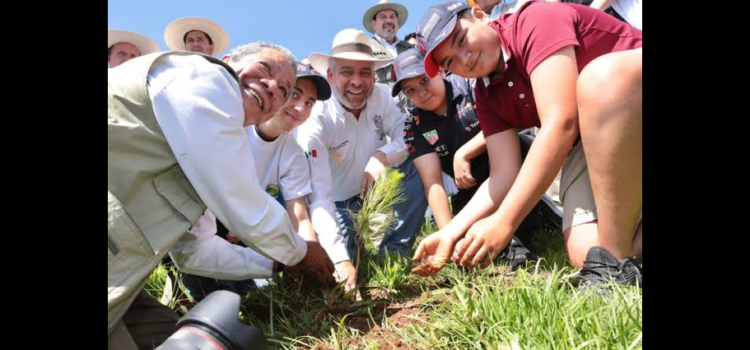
[[576, 194]]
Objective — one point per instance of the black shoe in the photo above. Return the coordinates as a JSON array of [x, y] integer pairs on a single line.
[[601, 266], [515, 254]]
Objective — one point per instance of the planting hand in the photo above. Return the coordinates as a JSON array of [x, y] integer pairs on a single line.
[[434, 252], [375, 167], [482, 243], [345, 271], [317, 263]]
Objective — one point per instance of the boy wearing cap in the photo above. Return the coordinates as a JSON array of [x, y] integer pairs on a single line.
[[585, 68], [441, 132], [443, 137], [282, 166]]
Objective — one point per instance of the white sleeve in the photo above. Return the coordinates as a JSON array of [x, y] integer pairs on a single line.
[[294, 177], [393, 122], [199, 108], [201, 252], [312, 139]]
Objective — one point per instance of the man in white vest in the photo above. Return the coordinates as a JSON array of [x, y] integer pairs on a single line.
[[177, 145]]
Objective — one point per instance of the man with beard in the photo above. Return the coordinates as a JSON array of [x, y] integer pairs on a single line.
[[384, 20], [350, 139]]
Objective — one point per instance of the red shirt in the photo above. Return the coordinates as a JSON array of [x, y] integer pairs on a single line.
[[531, 35]]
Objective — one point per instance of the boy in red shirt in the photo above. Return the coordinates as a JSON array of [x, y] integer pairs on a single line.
[[576, 73]]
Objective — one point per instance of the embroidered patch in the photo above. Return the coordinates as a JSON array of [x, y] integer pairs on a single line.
[[431, 136], [273, 190]]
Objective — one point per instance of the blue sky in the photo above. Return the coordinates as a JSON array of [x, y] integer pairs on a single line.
[[303, 26]]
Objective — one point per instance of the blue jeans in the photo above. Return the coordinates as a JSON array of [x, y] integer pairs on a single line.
[[409, 215]]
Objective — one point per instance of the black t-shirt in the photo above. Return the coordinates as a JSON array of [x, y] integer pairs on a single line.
[[425, 132]]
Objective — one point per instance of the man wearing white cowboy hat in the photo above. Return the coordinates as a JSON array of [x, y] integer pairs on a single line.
[[384, 20], [350, 139], [123, 45], [197, 35]]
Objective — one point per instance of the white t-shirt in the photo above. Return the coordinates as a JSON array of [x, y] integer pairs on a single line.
[[281, 165]]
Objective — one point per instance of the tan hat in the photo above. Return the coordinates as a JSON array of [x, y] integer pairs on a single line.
[[384, 5], [144, 44], [175, 33], [349, 44]]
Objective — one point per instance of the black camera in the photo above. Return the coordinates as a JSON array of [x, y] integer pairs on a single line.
[[214, 324]]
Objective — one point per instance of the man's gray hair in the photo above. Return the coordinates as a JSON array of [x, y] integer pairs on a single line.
[[249, 49], [332, 64]]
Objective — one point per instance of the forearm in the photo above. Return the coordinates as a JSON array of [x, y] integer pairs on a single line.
[[301, 219], [438, 201], [473, 148]]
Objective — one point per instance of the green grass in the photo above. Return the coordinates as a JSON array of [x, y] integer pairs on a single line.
[[177, 299], [535, 307]]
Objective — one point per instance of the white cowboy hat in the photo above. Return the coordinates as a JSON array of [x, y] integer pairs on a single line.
[[175, 33], [384, 5], [349, 44], [144, 44]]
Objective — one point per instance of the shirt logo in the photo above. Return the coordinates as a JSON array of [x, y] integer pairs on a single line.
[[273, 190], [430, 25], [336, 153], [378, 119], [431, 136], [454, 6], [337, 156]]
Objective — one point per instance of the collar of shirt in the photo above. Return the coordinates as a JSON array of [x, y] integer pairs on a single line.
[[506, 57]]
